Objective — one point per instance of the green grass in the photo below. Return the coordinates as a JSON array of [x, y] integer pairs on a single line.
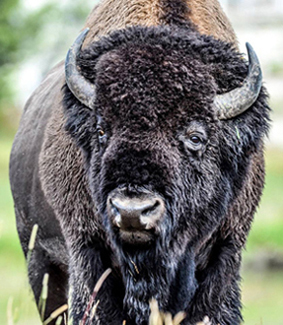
[[263, 298], [262, 292], [13, 276], [267, 230]]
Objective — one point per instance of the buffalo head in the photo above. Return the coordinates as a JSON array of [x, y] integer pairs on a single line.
[[153, 133]]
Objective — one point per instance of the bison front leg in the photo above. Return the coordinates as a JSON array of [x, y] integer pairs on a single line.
[[87, 264], [41, 263], [218, 293]]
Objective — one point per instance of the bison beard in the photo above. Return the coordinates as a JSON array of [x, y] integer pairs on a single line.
[[152, 86]]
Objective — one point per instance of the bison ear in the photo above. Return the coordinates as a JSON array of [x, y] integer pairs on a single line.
[[81, 88], [237, 101]]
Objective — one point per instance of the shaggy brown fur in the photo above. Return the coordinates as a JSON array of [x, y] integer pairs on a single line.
[[59, 160], [207, 15]]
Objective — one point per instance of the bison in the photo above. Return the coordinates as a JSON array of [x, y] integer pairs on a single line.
[[146, 157]]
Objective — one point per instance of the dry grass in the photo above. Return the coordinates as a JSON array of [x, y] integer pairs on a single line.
[[157, 317]]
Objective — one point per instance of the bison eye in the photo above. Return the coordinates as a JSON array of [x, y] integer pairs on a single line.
[[101, 135], [195, 139], [194, 142], [100, 132]]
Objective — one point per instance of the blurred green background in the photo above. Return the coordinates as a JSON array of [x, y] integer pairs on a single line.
[[34, 35]]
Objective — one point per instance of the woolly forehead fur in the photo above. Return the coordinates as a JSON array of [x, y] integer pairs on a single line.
[[138, 67]]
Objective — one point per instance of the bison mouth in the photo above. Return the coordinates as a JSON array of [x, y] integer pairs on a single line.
[[135, 237]]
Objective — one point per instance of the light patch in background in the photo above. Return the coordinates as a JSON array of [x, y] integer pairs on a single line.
[[29, 80], [50, 48], [31, 5]]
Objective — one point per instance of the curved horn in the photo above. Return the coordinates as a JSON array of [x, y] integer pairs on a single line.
[[240, 99], [81, 88]]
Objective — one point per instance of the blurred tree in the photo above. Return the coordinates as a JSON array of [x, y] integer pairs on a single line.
[[16, 28], [24, 32]]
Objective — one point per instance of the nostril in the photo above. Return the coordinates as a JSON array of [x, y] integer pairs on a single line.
[[116, 214], [151, 209], [114, 208], [152, 214]]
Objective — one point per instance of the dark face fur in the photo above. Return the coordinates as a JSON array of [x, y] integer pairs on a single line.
[[154, 133]]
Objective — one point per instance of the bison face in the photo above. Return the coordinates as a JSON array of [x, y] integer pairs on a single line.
[[162, 166]]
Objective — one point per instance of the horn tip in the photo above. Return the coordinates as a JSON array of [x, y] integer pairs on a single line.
[[253, 58], [248, 45], [250, 49], [86, 30], [84, 33]]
